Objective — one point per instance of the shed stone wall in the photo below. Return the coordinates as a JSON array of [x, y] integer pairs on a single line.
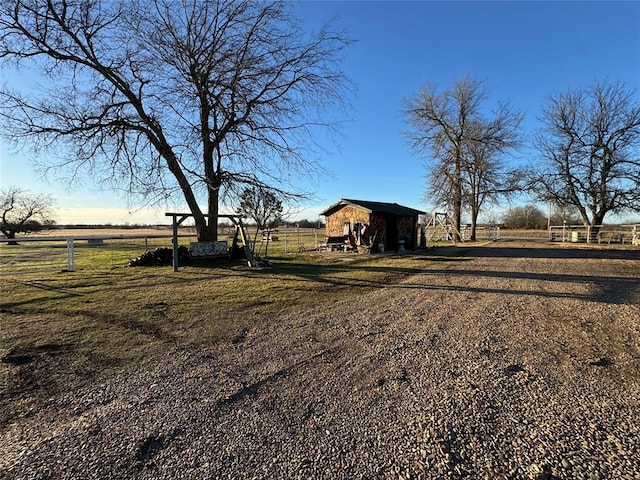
[[347, 214]]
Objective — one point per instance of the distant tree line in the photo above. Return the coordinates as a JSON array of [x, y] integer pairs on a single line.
[[306, 223], [531, 217]]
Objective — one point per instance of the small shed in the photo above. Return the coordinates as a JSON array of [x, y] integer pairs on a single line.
[[376, 225]]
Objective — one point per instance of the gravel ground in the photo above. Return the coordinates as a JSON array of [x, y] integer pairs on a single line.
[[506, 362]]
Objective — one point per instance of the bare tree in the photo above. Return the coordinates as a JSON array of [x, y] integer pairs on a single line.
[[561, 214], [23, 212], [263, 207], [192, 97], [590, 151], [527, 217], [485, 175], [451, 126]]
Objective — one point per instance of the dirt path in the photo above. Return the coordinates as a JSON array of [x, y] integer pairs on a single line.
[[504, 362]]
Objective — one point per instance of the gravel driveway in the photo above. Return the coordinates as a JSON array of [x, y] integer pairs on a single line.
[[505, 362]]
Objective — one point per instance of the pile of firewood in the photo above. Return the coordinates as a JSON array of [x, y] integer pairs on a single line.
[[159, 256]]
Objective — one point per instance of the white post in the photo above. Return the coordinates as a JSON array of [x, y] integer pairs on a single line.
[[70, 259]]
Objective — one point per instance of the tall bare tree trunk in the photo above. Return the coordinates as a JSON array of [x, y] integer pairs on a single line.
[[474, 223], [457, 200], [214, 203]]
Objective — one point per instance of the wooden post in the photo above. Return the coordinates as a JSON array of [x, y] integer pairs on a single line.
[[245, 240], [175, 224], [174, 241]]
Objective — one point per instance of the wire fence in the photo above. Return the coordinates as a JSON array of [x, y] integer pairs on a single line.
[[87, 251], [42, 254], [621, 234]]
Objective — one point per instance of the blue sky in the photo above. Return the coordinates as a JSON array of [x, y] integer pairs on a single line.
[[524, 51]]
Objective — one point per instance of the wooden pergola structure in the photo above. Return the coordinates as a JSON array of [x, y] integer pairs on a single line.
[[178, 218]]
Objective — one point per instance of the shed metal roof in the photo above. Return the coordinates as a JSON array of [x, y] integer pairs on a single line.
[[372, 207]]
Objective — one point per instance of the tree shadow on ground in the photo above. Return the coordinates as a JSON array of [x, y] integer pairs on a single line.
[[540, 251], [614, 289], [607, 289]]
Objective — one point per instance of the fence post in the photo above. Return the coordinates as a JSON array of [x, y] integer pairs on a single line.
[[70, 259], [174, 240]]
